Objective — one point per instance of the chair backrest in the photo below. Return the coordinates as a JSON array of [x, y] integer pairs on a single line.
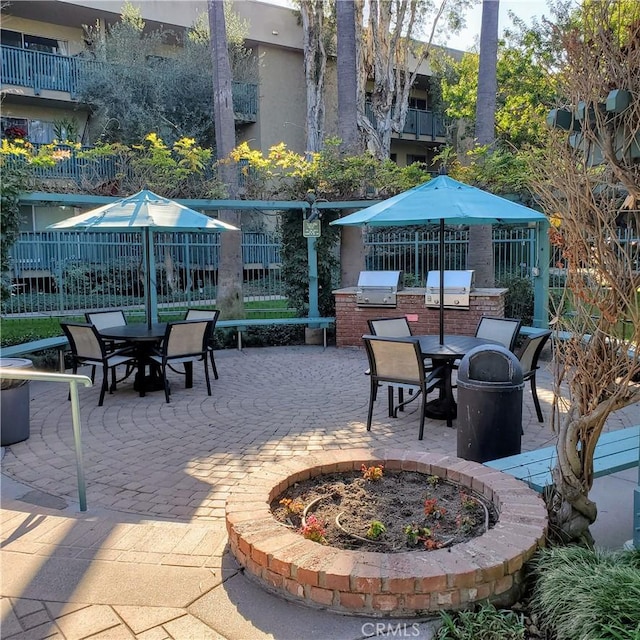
[[203, 314], [502, 330], [84, 340], [186, 338], [104, 319], [531, 349], [390, 327], [395, 359]]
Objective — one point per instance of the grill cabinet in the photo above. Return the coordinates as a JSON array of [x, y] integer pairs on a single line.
[[457, 288], [378, 288]]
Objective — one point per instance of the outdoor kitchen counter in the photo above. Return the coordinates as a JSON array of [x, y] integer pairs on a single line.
[[351, 319]]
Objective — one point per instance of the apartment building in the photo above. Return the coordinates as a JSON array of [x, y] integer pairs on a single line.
[[42, 39]]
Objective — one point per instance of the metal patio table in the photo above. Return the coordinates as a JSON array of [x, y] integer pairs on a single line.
[[452, 348], [143, 339]]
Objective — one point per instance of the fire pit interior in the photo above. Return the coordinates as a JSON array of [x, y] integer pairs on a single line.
[[408, 583]]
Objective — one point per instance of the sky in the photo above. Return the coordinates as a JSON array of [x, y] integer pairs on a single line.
[[525, 9]]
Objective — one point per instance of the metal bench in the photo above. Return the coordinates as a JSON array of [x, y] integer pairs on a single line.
[[243, 325], [57, 342], [61, 343], [615, 451]]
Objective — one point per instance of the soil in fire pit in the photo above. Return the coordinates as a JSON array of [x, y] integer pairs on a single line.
[[401, 511]]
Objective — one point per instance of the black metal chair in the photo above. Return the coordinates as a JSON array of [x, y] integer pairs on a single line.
[[502, 330], [184, 342], [212, 316], [397, 361], [104, 319], [88, 348], [528, 355]]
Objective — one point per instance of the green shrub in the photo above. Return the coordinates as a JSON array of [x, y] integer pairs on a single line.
[[487, 623], [586, 594], [519, 299]]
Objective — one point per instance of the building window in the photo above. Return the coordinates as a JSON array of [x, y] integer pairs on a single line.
[[34, 43], [13, 128], [411, 159], [418, 103], [37, 131], [11, 38], [41, 132]]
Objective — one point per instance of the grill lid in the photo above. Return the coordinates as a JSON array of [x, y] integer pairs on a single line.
[[377, 279], [454, 281]]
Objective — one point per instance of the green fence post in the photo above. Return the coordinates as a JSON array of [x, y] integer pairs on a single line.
[[541, 277], [312, 255]]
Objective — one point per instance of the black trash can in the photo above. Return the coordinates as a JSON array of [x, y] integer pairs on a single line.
[[14, 404], [490, 388]]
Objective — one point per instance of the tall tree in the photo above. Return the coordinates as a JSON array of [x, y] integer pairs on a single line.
[[480, 257], [588, 179], [351, 241], [229, 293], [393, 58], [315, 64]]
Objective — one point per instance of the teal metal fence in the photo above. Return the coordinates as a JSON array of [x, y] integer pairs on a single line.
[[62, 272], [416, 252]]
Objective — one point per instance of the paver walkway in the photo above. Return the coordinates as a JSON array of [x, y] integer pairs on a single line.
[[149, 559]]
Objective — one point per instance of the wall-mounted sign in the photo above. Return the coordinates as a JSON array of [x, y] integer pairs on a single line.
[[311, 229]]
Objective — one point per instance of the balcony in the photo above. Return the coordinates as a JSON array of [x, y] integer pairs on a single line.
[[420, 124], [41, 71]]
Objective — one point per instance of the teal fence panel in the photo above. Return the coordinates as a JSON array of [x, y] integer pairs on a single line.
[[416, 252], [63, 272]]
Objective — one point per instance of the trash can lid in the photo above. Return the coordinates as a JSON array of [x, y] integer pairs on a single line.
[[16, 362], [8, 383], [490, 364]]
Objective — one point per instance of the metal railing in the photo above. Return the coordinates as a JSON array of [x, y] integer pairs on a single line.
[[74, 380], [418, 123], [67, 272], [416, 252], [40, 71]]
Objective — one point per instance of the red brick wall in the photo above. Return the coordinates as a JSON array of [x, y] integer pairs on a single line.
[[351, 320]]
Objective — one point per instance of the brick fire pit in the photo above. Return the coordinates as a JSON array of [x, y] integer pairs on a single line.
[[403, 584]]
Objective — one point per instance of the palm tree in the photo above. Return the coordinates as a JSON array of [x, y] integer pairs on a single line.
[[480, 237], [229, 296]]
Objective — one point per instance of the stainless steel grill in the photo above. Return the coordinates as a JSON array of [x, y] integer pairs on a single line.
[[378, 288], [457, 289]]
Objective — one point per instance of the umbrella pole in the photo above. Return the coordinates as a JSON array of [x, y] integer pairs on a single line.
[[441, 261], [151, 301]]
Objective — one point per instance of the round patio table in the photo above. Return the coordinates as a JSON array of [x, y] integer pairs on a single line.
[[143, 339], [453, 347]]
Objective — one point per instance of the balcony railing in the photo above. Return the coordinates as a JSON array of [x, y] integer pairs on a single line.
[[419, 123], [42, 71]]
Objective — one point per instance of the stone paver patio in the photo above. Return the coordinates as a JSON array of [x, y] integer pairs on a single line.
[[149, 558]]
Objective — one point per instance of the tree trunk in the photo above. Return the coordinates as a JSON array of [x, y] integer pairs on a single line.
[[480, 257], [351, 244], [229, 297], [315, 63]]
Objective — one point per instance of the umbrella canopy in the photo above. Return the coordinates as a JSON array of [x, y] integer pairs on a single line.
[[442, 198], [438, 201], [149, 212]]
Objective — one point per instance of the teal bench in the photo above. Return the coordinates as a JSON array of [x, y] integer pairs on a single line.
[[615, 451], [57, 342], [61, 343], [243, 325]]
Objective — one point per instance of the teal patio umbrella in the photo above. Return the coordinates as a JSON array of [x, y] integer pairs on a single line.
[[439, 201], [150, 213]]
